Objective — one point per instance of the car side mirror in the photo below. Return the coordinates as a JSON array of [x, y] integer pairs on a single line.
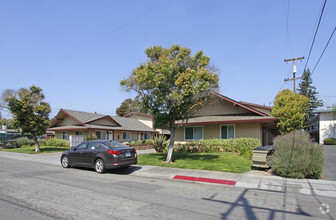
[[73, 148]]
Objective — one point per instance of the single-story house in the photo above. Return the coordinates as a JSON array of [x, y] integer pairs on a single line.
[[105, 127], [225, 118], [148, 120], [323, 125]]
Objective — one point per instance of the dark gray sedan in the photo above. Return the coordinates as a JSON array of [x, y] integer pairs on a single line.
[[100, 155]]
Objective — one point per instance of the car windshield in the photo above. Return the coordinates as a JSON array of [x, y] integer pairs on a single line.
[[113, 144]]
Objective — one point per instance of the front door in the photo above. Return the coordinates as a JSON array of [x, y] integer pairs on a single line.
[[110, 135], [139, 135]]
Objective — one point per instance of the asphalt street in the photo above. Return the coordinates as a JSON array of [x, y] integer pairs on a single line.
[[329, 170], [30, 190]]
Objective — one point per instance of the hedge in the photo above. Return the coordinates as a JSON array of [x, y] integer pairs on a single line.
[[58, 142], [243, 146], [28, 142], [330, 141]]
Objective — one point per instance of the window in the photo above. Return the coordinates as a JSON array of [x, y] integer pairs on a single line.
[[81, 146], [92, 145], [146, 136], [65, 135], [193, 133], [227, 131], [79, 133], [126, 136], [101, 135]]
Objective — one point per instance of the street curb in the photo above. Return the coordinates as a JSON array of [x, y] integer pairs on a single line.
[[206, 180]]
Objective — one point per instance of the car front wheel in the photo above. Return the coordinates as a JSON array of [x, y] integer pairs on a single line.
[[65, 162], [99, 166]]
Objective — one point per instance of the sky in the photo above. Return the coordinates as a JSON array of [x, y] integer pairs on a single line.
[[78, 51]]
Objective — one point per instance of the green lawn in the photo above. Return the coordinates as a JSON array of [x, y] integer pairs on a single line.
[[31, 150], [221, 161]]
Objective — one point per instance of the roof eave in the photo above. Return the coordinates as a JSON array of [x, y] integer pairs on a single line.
[[261, 120]]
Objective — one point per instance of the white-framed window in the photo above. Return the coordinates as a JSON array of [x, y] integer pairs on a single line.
[[147, 136], [65, 135], [101, 135], [227, 132], [193, 133], [126, 136], [79, 133]]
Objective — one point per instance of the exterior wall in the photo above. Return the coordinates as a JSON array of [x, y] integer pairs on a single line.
[[260, 109], [250, 130], [103, 121], [134, 136], [59, 134], [220, 107], [116, 134], [143, 119], [67, 121], [327, 125], [211, 131]]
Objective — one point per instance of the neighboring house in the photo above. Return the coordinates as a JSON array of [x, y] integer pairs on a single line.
[[225, 118], [147, 120], [9, 134], [323, 125], [105, 127]]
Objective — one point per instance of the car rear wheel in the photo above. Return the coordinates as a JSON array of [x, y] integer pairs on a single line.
[[65, 162], [99, 166]]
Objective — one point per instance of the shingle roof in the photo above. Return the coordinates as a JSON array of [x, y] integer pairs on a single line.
[[85, 118], [226, 119]]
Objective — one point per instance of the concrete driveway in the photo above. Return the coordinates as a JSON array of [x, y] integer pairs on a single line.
[[329, 170]]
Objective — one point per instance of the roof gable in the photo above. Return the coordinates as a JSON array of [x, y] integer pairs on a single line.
[[235, 103], [71, 119], [64, 118], [219, 105], [106, 120]]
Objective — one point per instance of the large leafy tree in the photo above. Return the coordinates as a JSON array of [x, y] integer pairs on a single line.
[[6, 121], [130, 105], [30, 112], [307, 89], [291, 110], [170, 83]]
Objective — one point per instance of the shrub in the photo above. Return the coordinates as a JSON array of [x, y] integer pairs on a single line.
[[42, 142], [148, 142], [296, 156], [27, 146], [57, 142], [138, 142], [330, 141], [243, 146], [90, 137], [132, 143], [24, 141], [160, 142]]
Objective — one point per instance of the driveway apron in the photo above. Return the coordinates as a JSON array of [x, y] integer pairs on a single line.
[[329, 170]]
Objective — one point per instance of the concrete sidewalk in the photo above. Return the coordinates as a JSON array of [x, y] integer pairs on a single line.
[[249, 180]]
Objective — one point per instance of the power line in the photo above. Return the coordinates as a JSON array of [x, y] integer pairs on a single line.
[[287, 27], [318, 25], [323, 51]]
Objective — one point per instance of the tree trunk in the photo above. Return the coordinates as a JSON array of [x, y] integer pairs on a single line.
[[171, 146], [37, 145]]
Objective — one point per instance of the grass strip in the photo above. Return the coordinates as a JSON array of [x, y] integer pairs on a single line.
[[219, 161]]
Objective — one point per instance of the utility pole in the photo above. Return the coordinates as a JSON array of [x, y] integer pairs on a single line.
[[294, 70]]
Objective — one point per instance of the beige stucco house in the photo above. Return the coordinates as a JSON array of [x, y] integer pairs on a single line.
[[222, 117], [147, 120], [323, 125], [105, 127]]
